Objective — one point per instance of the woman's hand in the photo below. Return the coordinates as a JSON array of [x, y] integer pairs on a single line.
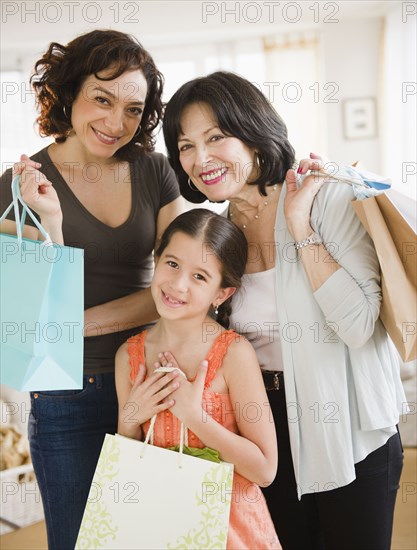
[[146, 398], [315, 162], [298, 201], [36, 190], [38, 193]]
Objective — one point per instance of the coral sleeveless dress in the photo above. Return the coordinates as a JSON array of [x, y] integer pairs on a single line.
[[250, 525]]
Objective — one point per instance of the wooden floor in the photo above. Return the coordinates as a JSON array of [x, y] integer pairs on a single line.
[[405, 524], [405, 518]]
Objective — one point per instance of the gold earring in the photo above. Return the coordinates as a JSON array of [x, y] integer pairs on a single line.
[[136, 136], [64, 109], [216, 308], [191, 185], [258, 160]]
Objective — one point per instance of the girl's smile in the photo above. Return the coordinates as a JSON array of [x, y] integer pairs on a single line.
[[170, 301], [187, 279]]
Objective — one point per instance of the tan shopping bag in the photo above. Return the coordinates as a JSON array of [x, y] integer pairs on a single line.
[[395, 243]]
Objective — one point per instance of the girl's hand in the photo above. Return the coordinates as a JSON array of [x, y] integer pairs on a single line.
[[37, 191], [298, 201], [166, 359], [149, 397], [189, 395]]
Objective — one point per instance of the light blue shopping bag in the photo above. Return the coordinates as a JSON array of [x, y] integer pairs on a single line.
[[41, 309]]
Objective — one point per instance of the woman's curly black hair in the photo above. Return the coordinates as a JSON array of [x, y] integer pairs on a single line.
[[62, 70]]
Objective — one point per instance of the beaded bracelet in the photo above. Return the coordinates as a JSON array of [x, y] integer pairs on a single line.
[[314, 238]]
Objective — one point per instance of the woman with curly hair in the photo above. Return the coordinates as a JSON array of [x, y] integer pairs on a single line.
[[99, 187]]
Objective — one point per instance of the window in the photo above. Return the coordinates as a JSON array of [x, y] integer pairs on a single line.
[[18, 114]]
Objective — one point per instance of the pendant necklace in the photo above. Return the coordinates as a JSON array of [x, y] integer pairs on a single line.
[[258, 213]]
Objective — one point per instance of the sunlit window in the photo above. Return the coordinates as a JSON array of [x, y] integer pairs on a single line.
[[18, 115]]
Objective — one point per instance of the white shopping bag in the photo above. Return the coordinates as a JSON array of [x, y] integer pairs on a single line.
[[147, 497]]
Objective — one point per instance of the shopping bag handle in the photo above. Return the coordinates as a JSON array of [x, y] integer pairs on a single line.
[[183, 434], [183, 429], [20, 220], [364, 184]]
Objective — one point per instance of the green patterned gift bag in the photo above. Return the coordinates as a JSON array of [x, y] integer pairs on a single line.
[[148, 497]]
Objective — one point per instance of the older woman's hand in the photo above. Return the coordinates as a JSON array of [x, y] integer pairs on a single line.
[[315, 162], [299, 200]]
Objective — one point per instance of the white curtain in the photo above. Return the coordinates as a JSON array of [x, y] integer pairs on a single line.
[[294, 86], [398, 108]]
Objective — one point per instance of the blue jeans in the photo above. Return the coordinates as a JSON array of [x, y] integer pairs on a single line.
[[66, 432]]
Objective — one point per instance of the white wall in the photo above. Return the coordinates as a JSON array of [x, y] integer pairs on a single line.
[[351, 58]]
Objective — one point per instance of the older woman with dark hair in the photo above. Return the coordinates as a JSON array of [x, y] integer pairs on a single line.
[[310, 305], [244, 113], [98, 187]]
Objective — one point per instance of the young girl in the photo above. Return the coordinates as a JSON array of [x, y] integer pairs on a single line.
[[223, 403]]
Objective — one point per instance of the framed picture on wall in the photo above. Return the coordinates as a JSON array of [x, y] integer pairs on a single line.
[[359, 118]]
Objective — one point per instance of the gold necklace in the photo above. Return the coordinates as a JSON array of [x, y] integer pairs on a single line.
[[258, 213]]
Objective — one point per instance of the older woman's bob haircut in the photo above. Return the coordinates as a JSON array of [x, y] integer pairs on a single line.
[[242, 111], [62, 70]]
